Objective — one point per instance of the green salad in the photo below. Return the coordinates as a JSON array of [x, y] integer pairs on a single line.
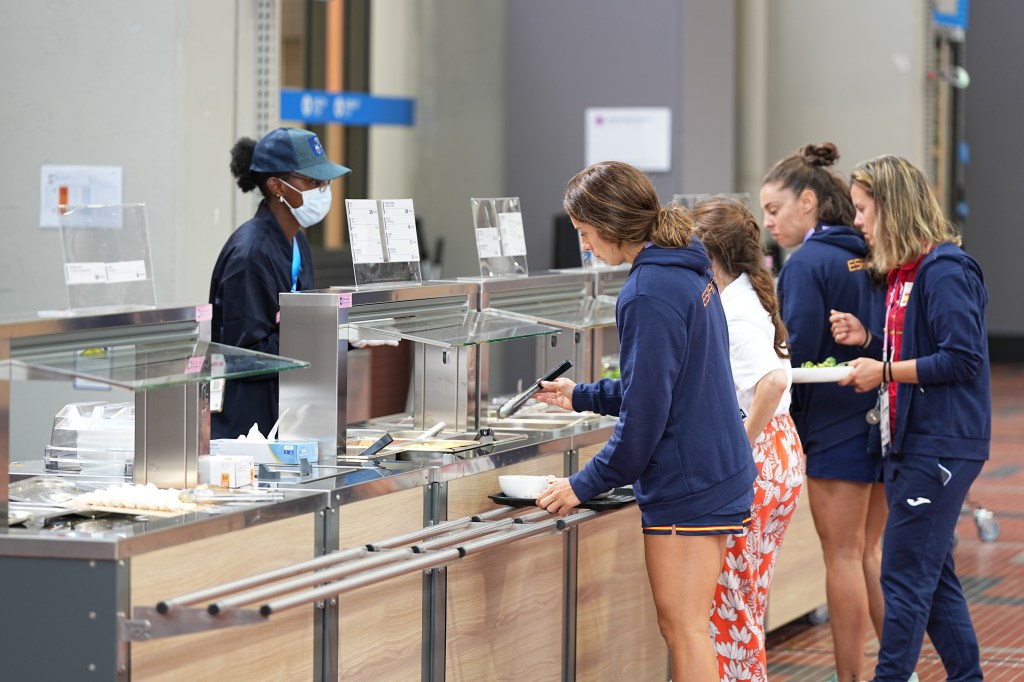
[[827, 362]]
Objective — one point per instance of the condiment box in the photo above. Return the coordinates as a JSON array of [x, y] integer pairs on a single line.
[[226, 471], [268, 452]]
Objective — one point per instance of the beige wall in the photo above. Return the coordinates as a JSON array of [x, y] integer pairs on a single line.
[[815, 70], [151, 87]]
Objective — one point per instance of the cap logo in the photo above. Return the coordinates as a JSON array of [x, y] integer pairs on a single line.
[[314, 144]]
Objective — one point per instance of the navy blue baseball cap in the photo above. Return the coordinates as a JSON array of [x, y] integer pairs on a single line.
[[293, 150]]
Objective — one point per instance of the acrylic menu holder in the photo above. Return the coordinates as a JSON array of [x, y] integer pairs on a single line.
[[385, 248], [107, 264], [500, 239]]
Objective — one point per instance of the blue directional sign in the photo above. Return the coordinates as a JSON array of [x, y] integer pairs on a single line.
[[349, 108]]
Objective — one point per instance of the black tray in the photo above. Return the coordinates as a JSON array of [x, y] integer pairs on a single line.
[[619, 498]]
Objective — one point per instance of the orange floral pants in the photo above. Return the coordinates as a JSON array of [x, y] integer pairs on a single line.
[[737, 617]]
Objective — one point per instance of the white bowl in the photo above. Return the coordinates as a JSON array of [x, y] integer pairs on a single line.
[[524, 486]]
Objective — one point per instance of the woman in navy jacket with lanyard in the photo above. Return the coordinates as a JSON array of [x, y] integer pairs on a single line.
[[808, 208], [679, 439], [935, 410], [265, 256]]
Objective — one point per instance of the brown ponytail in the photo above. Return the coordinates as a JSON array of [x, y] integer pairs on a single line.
[[807, 168], [733, 238], [620, 201]]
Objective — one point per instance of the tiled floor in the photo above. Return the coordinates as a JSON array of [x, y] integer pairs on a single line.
[[992, 573]]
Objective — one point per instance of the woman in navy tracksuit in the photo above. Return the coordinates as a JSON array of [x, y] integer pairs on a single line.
[[680, 439], [935, 409], [807, 208]]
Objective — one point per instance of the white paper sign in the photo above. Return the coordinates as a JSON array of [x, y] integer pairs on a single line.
[[364, 231], [641, 136], [513, 239], [126, 271], [488, 242], [85, 273], [77, 186], [400, 230]]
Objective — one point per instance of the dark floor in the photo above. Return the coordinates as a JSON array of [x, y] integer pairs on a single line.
[[992, 573]]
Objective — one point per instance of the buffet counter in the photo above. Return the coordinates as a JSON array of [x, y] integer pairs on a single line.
[[523, 583]]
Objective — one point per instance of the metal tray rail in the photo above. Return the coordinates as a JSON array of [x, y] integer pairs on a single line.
[[311, 582]]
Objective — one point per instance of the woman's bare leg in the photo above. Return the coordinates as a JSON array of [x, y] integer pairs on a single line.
[[840, 510], [683, 571]]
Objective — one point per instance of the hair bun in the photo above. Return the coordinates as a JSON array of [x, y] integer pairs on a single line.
[[824, 154]]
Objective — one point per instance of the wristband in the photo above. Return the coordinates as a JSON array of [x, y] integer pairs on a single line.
[[867, 341]]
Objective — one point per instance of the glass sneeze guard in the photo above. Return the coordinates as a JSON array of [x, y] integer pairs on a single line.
[[149, 365], [453, 329], [583, 314]]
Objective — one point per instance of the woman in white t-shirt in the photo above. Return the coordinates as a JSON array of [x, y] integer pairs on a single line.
[[761, 376]]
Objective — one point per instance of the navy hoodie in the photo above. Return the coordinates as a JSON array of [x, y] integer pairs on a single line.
[[829, 272], [948, 413], [680, 438], [254, 266]]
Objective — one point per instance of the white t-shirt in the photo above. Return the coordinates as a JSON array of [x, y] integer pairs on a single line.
[[751, 343]]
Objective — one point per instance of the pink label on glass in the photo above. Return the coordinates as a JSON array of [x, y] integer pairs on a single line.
[[195, 364], [204, 313], [344, 300]]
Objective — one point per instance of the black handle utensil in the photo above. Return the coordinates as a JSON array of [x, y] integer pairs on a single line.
[[515, 403]]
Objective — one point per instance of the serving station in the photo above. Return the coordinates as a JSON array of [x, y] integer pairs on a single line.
[[389, 558]]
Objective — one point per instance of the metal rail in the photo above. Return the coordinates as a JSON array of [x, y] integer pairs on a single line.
[[311, 582]]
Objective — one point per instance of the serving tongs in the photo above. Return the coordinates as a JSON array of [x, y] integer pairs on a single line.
[[379, 448]]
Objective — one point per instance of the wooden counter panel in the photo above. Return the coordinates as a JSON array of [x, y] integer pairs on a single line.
[[380, 626], [505, 613], [505, 604], [617, 635], [798, 585], [284, 644]]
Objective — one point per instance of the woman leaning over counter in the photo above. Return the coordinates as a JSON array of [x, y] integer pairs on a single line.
[[679, 439]]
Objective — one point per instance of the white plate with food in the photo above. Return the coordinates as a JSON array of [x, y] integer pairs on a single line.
[[820, 375]]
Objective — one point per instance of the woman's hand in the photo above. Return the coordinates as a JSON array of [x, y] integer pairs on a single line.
[[866, 374], [557, 393], [559, 497], [847, 329]]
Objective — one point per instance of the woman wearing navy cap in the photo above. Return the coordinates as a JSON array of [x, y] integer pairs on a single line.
[[267, 255], [935, 410]]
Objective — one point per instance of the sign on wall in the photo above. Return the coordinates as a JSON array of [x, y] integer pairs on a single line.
[[641, 136], [349, 108], [76, 186]]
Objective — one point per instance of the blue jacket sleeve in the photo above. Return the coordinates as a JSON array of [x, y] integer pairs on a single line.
[[804, 310], [953, 302], [652, 351], [603, 397]]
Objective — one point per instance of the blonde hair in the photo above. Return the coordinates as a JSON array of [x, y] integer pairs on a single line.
[[733, 238], [621, 203], [908, 218]]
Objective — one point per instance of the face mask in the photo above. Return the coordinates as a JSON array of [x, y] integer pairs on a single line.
[[315, 205]]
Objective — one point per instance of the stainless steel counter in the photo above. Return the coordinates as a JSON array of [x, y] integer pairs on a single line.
[[327, 486]]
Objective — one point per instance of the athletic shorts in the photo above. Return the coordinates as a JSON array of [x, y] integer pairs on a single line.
[[847, 461]]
